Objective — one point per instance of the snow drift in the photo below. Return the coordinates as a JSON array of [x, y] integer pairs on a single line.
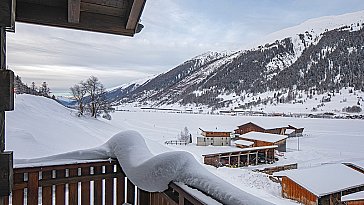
[[153, 173]]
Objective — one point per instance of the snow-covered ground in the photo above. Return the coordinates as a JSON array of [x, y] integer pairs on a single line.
[[41, 127]]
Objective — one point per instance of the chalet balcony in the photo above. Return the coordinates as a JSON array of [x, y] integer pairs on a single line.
[[97, 182]]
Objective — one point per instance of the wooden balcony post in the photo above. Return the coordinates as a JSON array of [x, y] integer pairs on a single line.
[[130, 192], [85, 187], [33, 188], [47, 190]]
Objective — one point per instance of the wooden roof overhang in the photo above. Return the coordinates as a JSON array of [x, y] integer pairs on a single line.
[[120, 17]]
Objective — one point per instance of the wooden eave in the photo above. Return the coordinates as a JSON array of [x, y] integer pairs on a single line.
[[120, 17]]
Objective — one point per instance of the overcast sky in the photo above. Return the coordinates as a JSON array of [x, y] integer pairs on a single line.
[[175, 31]]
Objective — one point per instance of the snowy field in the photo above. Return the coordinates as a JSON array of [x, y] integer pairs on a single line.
[[41, 127]]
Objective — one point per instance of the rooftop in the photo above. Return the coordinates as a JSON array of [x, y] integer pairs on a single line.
[[243, 142], [266, 137], [353, 197], [326, 179]]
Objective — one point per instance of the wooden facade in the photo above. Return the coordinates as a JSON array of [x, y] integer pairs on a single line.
[[215, 134], [251, 127], [282, 144], [214, 138], [248, 127], [245, 157], [74, 182], [294, 191], [356, 202]]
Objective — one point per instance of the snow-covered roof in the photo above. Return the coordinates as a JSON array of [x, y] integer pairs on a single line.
[[214, 129], [244, 150], [357, 164], [243, 142], [266, 137], [353, 197], [326, 179]]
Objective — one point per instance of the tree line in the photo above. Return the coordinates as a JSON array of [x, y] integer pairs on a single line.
[[22, 88], [90, 96]]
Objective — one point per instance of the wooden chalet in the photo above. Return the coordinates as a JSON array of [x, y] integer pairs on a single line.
[[289, 130], [214, 138], [248, 127], [244, 157], [265, 139], [323, 185]]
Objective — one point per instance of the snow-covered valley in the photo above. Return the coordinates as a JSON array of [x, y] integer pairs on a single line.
[[41, 127]]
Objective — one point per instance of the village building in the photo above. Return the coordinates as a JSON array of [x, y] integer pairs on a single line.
[[289, 130], [244, 157], [248, 127], [353, 199], [214, 138], [265, 139], [323, 185]]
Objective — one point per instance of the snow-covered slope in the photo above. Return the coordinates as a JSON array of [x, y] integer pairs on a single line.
[[316, 27], [41, 127]]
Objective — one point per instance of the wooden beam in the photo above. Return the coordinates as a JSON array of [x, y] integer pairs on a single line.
[[57, 16], [74, 11], [110, 3], [135, 13], [101, 9]]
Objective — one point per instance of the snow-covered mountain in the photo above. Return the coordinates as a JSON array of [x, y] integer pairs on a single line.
[[319, 56]]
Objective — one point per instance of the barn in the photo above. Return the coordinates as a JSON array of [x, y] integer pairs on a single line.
[[214, 138], [324, 185], [265, 139], [244, 157]]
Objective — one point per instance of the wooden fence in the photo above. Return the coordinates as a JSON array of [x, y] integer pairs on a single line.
[[176, 142], [97, 183]]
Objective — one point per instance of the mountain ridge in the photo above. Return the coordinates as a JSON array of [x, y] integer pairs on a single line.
[[309, 60]]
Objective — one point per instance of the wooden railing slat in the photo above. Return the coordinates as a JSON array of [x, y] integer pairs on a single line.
[[60, 189], [120, 186], [109, 186], [77, 179], [47, 190], [73, 188], [144, 197], [175, 195], [32, 194], [4, 200], [85, 187], [98, 187], [18, 195], [130, 192]]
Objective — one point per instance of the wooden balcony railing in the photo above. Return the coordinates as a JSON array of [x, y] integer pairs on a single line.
[[101, 182]]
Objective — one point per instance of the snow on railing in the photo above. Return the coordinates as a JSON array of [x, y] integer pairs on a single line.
[[154, 173]]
